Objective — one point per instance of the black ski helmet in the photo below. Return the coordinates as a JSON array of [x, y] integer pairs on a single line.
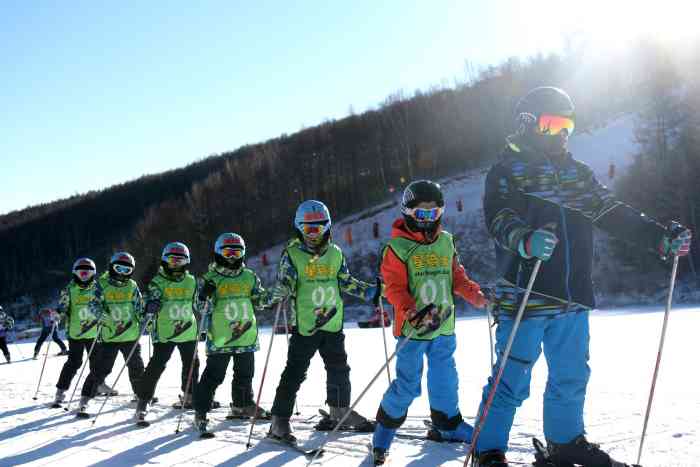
[[421, 191], [121, 266], [540, 101]]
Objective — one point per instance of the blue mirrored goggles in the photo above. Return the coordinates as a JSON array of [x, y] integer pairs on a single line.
[[425, 215], [123, 269]]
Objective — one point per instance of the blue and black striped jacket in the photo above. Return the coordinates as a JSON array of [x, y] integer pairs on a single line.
[[525, 191]]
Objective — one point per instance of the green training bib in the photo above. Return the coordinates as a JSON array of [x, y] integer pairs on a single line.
[[82, 323], [120, 323], [232, 323], [318, 294], [176, 321], [429, 270]]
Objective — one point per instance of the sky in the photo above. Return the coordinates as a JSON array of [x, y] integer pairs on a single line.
[[93, 94]]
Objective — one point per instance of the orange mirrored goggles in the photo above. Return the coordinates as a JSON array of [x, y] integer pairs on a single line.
[[229, 252], [314, 229], [554, 124]]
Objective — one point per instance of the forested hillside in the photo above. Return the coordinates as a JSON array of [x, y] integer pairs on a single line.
[[358, 161]]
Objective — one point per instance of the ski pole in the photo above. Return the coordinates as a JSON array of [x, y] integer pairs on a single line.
[[406, 340], [262, 379], [46, 355], [14, 341], [286, 332], [504, 361], [190, 372], [489, 318], [82, 368], [126, 362], [671, 286], [386, 350]]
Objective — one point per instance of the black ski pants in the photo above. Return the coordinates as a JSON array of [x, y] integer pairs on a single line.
[[331, 346], [105, 362], [44, 334], [214, 374], [3, 347], [76, 347], [162, 351]]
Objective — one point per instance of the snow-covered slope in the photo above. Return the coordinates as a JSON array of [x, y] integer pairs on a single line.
[[623, 351]]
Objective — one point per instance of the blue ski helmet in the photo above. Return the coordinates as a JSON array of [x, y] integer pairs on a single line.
[[313, 223]]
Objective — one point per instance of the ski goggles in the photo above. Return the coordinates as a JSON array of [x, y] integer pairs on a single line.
[[176, 261], [424, 215], [314, 230], [554, 124], [235, 253], [84, 274], [123, 269]]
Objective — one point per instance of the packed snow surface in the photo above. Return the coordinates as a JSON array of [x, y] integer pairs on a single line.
[[623, 351]]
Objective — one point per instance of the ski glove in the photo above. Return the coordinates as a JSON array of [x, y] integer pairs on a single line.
[[676, 241], [539, 244], [480, 300], [208, 289], [378, 289], [428, 319], [152, 308]]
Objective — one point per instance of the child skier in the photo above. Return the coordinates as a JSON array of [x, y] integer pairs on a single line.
[[313, 272], [74, 304], [421, 272], [6, 323], [229, 292], [118, 306], [49, 320], [170, 304]]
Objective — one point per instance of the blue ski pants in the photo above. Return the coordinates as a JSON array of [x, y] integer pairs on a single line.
[[564, 339], [442, 379]]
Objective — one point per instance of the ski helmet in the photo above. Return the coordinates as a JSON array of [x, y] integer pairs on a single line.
[[545, 116], [121, 265], [422, 219], [229, 250], [175, 257], [84, 271], [312, 222]]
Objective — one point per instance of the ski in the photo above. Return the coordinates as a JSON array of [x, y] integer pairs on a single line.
[[206, 435], [143, 424], [55, 405], [310, 453], [82, 415]]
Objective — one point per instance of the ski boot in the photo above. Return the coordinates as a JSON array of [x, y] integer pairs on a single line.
[[353, 422], [247, 412], [58, 400], [461, 434], [36, 355], [62, 353], [381, 440], [8, 358], [281, 430], [104, 390], [580, 451], [493, 458], [141, 411], [82, 408], [200, 424]]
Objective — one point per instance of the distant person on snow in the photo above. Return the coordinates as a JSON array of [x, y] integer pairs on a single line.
[[81, 323], [541, 203], [229, 293], [312, 272], [170, 307], [6, 324], [422, 273], [49, 320], [118, 306]]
